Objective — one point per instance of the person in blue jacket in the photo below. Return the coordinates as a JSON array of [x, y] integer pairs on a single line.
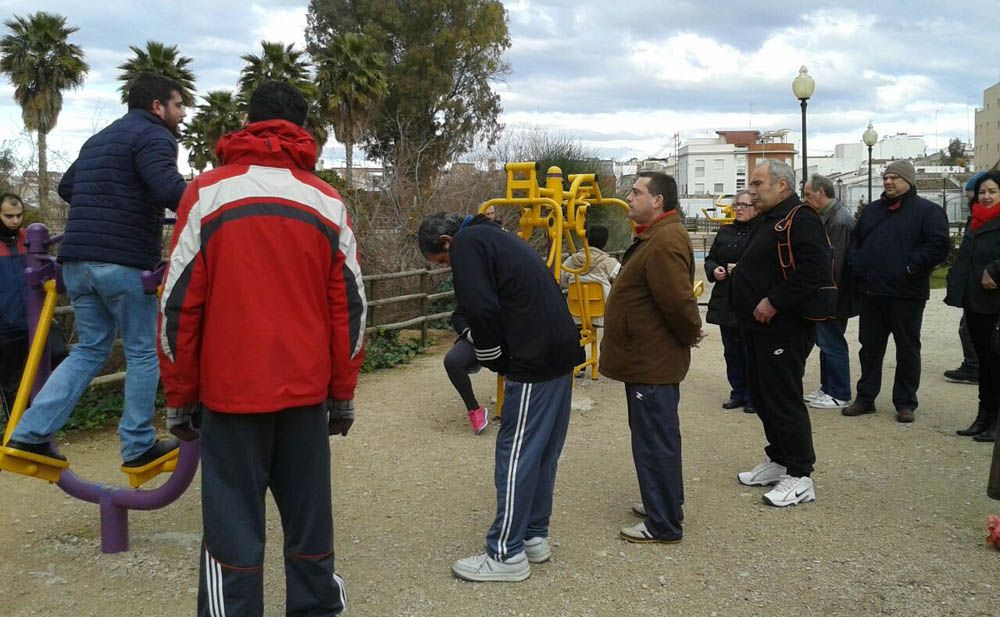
[[13, 322], [118, 188]]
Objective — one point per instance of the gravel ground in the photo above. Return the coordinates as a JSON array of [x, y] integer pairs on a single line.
[[898, 528]]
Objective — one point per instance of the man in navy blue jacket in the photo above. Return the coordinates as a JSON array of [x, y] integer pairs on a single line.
[[117, 190], [897, 242], [521, 328]]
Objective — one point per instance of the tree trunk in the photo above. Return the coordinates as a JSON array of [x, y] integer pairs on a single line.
[[43, 180], [348, 174]]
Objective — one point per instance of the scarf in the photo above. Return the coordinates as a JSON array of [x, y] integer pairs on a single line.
[[982, 214], [641, 228]]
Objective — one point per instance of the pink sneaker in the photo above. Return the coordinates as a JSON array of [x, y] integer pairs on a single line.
[[477, 418]]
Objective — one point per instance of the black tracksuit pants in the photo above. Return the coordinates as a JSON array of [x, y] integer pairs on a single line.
[[776, 365], [242, 456], [902, 318], [980, 330]]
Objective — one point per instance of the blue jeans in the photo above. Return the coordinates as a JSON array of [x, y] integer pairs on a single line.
[[105, 297], [834, 360]]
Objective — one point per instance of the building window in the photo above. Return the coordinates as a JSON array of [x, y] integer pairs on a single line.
[[719, 187], [699, 189], [699, 170], [718, 164]]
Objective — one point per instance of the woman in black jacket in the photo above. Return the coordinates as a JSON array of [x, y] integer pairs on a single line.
[[721, 258], [972, 285]]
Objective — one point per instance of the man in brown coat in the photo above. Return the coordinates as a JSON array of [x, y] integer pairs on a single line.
[[651, 323]]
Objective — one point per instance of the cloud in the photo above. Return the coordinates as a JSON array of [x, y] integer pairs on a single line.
[[622, 76]]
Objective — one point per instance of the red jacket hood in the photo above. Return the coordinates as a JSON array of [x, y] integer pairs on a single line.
[[272, 143]]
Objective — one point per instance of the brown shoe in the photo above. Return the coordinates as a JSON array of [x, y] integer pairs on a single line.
[[857, 408], [904, 415]]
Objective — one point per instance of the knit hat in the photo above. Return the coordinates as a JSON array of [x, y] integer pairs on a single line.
[[971, 184], [903, 169]]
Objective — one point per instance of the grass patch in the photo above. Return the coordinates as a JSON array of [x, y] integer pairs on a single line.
[[939, 277]]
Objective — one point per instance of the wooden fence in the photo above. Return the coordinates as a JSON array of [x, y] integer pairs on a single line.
[[391, 312]]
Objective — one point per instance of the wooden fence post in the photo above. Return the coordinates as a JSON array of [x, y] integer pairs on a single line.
[[424, 284], [371, 296]]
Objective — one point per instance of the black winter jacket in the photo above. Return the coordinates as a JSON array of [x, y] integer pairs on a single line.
[[521, 326], [758, 273], [980, 251], [894, 250], [726, 249], [117, 189]]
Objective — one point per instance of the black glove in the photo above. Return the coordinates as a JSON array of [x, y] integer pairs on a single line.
[[467, 335], [341, 416], [184, 422]]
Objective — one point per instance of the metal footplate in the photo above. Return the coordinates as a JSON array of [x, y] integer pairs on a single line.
[[30, 464], [137, 476]]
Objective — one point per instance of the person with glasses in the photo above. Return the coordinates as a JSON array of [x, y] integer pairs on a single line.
[[721, 259]]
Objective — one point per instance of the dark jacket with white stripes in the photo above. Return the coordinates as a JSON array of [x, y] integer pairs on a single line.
[[521, 326]]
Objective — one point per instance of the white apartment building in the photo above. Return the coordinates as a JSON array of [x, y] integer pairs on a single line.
[[988, 129], [709, 166]]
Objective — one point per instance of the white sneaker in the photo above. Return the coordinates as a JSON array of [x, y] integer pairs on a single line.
[[791, 491], [639, 508], [483, 568], [764, 474], [812, 396], [825, 401], [537, 549]]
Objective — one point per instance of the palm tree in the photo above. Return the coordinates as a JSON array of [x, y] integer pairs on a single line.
[[219, 114], [160, 59], [283, 63], [41, 62], [352, 83]]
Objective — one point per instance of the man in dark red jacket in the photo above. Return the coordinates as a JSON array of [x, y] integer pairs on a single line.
[[261, 335]]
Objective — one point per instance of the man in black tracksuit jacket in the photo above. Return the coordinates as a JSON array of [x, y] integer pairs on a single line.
[[778, 339], [896, 243], [522, 329]]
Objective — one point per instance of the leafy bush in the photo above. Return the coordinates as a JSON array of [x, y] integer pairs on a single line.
[[384, 349]]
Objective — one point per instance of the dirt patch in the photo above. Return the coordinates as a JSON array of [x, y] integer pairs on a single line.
[[898, 528]]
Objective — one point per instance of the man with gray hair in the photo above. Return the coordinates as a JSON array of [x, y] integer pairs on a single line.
[[834, 361], [768, 300]]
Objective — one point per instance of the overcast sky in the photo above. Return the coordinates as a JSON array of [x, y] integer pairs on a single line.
[[622, 77]]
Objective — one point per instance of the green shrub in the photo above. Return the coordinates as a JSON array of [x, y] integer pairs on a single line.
[[384, 349]]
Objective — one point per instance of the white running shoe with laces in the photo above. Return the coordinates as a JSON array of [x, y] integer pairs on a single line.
[[484, 569], [825, 401], [791, 491], [763, 474], [812, 396]]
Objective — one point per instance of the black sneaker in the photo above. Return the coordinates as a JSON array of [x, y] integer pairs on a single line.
[[161, 447], [42, 449], [963, 374]]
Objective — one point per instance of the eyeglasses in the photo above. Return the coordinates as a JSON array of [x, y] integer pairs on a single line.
[[739, 205]]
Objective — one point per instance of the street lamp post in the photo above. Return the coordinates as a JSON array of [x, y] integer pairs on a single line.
[[870, 137], [803, 87], [840, 190]]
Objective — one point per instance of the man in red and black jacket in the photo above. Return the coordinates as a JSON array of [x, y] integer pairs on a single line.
[[261, 334]]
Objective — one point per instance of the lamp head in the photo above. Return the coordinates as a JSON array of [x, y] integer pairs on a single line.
[[870, 137], [803, 86]]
